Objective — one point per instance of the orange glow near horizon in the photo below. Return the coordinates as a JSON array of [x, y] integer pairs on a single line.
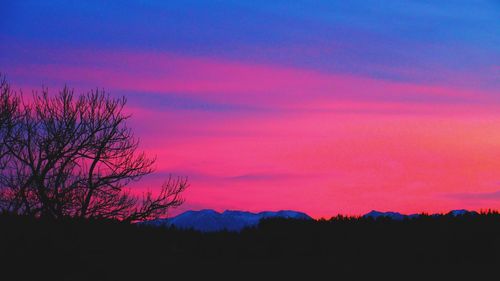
[[254, 136], [326, 155]]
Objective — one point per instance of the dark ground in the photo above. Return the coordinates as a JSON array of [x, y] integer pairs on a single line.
[[442, 247]]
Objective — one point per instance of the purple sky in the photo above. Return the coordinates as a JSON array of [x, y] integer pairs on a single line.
[[320, 106]]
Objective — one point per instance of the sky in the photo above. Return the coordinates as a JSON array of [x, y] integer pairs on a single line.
[[326, 107]]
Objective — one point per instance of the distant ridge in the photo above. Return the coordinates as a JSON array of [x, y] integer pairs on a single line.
[[398, 216], [209, 220]]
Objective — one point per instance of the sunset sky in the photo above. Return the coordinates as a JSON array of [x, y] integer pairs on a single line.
[[324, 107]]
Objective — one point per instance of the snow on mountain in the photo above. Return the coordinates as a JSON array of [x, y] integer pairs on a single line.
[[210, 220], [461, 213], [397, 216], [392, 215]]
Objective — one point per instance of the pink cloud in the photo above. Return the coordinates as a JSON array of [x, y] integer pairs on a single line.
[[342, 163], [234, 82], [327, 143]]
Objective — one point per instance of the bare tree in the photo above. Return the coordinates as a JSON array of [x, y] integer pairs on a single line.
[[9, 103], [151, 207], [73, 156]]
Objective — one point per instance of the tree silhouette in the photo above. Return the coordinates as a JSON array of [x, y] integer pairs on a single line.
[[9, 103], [73, 156]]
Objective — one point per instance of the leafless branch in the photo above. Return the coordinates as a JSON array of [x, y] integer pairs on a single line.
[[72, 155]]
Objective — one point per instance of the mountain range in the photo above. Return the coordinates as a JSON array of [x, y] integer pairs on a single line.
[[398, 216], [209, 220]]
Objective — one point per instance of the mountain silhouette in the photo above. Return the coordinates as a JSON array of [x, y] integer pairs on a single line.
[[210, 220], [392, 215], [398, 216], [461, 212]]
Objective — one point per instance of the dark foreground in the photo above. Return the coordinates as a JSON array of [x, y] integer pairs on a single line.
[[427, 247]]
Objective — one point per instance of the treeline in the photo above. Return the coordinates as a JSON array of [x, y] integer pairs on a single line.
[[83, 249]]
